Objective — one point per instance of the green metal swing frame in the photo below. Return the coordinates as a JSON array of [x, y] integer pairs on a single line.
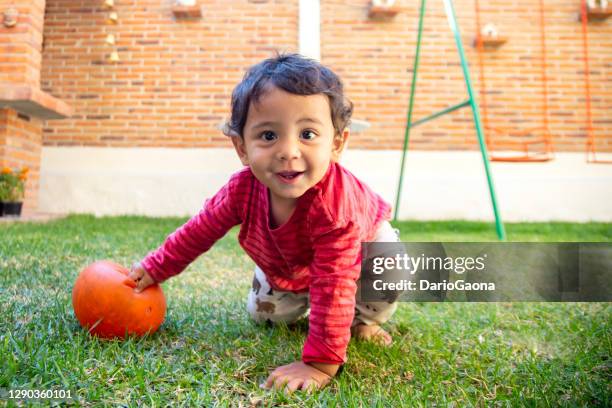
[[471, 101]]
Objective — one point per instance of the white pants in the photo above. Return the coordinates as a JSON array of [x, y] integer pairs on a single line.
[[265, 304]]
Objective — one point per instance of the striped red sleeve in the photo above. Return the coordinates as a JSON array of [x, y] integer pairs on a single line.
[[196, 236], [333, 275]]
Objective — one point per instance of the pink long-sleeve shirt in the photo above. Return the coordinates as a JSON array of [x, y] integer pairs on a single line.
[[317, 250]]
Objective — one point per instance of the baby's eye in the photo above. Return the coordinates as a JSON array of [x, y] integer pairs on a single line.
[[308, 135], [268, 136]]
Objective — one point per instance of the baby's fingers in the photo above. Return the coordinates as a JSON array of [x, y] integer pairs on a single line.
[[293, 385], [270, 381], [136, 273], [309, 386], [275, 376], [143, 283]]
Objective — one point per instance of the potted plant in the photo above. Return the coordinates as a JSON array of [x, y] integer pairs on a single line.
[[12, 189]]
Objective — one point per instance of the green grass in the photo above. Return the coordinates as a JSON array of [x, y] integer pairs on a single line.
[[208, 352], [449, 231]]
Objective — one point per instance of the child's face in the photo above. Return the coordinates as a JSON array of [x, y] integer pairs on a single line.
[[288, 141]]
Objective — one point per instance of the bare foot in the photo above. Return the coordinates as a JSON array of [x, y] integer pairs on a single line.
[[372, 333]]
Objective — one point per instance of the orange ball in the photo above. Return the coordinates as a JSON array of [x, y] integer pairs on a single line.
[[106, 305]]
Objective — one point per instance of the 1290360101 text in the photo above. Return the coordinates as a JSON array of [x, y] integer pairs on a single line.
[[35, 394]]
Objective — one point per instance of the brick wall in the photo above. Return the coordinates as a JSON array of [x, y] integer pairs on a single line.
[[375, 58], [172, 84], [20, 144], [20, 46], [20, 51]]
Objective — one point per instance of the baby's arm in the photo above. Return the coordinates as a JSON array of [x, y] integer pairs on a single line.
[[334, 272], [329, 369], [192, 239]]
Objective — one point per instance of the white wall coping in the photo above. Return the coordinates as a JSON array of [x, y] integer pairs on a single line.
[[437, 185]]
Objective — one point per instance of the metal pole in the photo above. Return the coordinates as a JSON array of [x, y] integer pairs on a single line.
[[441, 113], [452, 21], [410, 106]]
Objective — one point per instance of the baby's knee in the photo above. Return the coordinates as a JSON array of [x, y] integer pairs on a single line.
[[269, 308], [260, 310]]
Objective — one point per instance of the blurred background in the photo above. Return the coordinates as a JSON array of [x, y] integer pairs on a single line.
[[116, 106]]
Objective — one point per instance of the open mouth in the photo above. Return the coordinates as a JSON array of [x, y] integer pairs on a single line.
[[289, 175]]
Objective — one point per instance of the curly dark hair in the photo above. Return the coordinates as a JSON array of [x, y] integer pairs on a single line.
[[295, 74]]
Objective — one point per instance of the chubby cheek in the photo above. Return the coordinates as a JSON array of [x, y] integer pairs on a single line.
[[259, 160], [320, 165]]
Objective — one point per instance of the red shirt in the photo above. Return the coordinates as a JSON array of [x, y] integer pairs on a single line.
[[317, 250]]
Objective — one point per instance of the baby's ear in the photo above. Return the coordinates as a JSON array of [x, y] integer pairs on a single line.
[[339, 144], [240, 147]]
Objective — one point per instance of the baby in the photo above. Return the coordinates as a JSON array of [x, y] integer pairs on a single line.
[[303, 216]]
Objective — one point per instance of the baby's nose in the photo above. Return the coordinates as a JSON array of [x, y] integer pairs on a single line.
[[288, 149]]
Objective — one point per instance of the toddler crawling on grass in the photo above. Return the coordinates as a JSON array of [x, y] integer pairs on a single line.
[[302, 216]]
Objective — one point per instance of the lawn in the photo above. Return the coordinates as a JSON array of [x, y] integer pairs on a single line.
[[208, 352]]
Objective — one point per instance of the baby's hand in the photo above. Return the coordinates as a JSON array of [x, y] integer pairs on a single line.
[[142, 278], [297, 375]]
